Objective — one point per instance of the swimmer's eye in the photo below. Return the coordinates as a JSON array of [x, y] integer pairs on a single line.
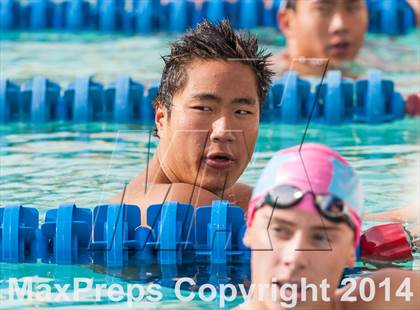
[[324, 8], [281, 232], [243, 112], [320, 237], [202, 108], [354, 6]]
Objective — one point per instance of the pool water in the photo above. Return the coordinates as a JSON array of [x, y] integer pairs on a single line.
[[62, 56], [86, 164], [45, 165]]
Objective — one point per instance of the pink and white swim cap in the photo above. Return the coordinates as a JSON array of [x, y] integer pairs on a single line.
[[315, 168]]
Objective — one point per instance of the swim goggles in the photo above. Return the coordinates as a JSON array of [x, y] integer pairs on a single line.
[[328, 205]]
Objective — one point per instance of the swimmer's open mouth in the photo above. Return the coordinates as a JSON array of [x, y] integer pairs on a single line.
[[219, 160], [340, 47], [288, 291]]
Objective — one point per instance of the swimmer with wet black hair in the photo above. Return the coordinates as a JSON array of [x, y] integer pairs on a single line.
[[207, 125]]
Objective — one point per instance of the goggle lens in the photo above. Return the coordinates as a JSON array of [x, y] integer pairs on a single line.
[[329, 205], [286, 196]]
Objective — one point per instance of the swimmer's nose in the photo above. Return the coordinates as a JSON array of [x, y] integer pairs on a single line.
[[220, 132], [295, 254], [339, 23]]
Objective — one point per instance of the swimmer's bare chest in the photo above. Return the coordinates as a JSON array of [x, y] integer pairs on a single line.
[[137, 193]]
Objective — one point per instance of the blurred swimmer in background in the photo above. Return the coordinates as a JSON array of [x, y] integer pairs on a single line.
[[320, 30]]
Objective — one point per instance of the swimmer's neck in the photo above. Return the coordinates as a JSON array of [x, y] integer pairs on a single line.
[[157, 172], [306, 66]]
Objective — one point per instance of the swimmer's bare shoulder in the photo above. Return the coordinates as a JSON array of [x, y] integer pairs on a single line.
[[136, 193], [239, 194]]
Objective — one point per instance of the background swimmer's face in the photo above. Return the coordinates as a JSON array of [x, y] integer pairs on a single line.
[[325, 28], [299, 244], [209, 136]]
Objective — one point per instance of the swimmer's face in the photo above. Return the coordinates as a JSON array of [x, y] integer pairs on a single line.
[[209, 136], [332, 29], [297, 246]]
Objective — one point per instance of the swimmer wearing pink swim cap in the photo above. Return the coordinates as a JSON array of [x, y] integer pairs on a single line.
[[304, 221], [313, 178]]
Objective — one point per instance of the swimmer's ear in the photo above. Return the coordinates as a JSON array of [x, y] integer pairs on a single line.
[[247, 238], [284, 21], [160, 117], [351, 257]]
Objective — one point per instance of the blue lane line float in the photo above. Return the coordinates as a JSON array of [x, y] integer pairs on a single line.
[[294, 100], [178, 18], [58, 16], [232, 11], [218, 228], [209, 241], [9, 101], [67, 229], [392, 17], [248, 14], [290, 100], [173, 224], [124, 98], [146, 108], [70, 15], [9, 14], [38, 14], [215, 10], [335, 104], [77, 14], [114, 236], [114, 233], [197, 13], [107, 15], [82, 101], [269, 17], [144, 16], [111, 15], [39, 99], [377, 101], [271, 108], [18, 233]]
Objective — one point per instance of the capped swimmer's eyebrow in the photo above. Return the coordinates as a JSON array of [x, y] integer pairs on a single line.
[[277, 220], [281, 221], [326, 228], [215, 98]]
